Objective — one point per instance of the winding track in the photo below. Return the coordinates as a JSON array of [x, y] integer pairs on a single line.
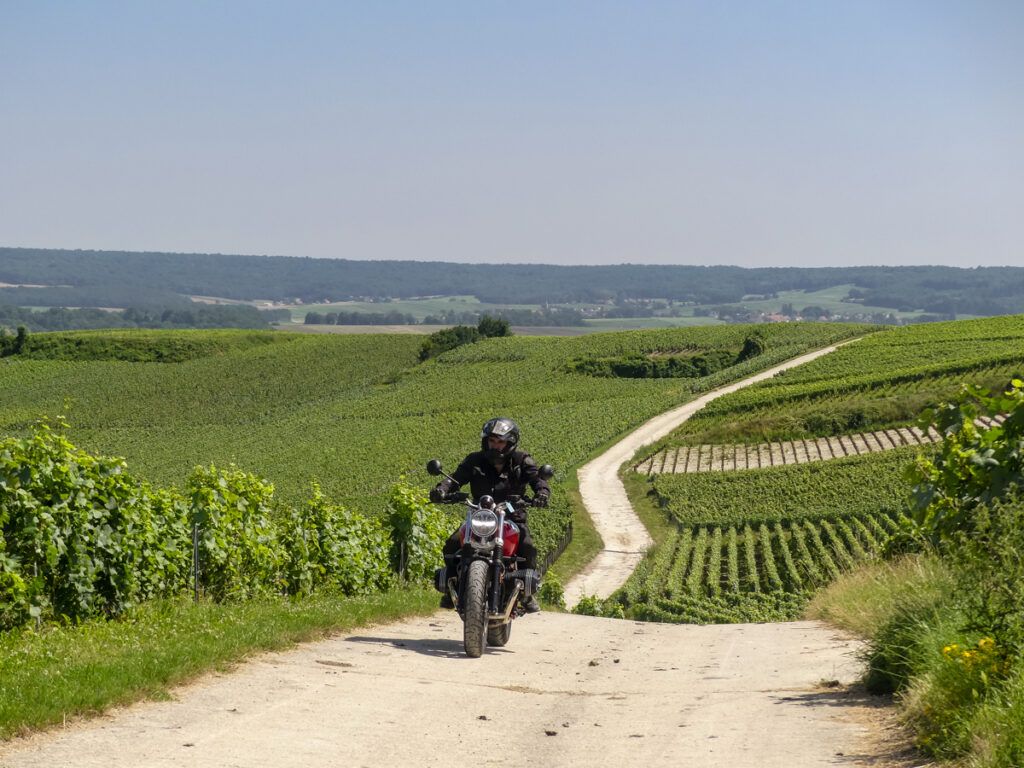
[[625, 538]]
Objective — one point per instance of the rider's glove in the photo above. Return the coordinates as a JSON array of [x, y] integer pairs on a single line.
[[437, 495], [540, 500]]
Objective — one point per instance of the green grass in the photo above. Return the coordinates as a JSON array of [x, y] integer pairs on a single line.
[[55, 675], [957, 700], [646, 504], [871, 596], [830, 299]]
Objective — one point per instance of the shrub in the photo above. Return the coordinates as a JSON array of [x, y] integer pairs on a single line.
[[591, 605], [551, 591], [80, 537], [418, 532], [975, 465], [449, 338], [346, 550], [240, 555]]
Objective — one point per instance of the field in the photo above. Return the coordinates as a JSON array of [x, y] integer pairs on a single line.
[[832, 300], [753, 544], [884, 380], [355, 413], [418, 308], [829, 299]]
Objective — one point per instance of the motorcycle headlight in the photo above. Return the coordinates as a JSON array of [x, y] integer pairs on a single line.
[[484, 523]]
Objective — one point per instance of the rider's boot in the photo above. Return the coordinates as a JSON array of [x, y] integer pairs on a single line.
[[446, 600], [530, 604]]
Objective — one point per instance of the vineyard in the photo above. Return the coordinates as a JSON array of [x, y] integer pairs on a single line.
[[715, 458], [754, 545], [777, 488], [356, 412], [326, 426], [881, 381], [291, 461]]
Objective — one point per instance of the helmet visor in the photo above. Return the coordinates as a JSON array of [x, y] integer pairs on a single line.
[[502, 428]]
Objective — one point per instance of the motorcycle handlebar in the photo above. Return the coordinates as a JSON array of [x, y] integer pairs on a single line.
[[517, 502]]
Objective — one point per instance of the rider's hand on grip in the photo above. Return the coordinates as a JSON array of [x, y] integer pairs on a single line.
[[540, 500], [437, 495]]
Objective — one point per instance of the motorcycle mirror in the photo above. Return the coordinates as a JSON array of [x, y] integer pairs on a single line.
[[546, 471], [434, 467]]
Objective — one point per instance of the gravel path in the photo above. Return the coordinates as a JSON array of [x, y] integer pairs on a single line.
[[625, 538], [567, 691]]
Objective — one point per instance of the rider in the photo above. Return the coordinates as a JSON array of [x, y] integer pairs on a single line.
[[501, 471]]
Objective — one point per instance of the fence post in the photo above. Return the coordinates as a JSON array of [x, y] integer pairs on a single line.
[[558, 550]]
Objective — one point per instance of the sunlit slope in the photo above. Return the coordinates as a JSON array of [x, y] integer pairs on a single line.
[[356, 412], [884, 380]]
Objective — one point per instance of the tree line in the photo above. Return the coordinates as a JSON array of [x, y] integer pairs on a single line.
[[109, 278], [555, 316], [187, 315]]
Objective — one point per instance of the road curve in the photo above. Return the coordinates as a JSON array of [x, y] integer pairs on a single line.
[[625, 538]]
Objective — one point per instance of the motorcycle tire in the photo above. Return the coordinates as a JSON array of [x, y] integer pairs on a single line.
[[474, 625], [499, 635]]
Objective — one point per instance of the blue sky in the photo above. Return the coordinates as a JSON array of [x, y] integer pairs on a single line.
[[766, 133]]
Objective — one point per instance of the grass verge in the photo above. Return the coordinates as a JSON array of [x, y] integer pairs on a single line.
[[652, 515], [586, 541], [959, 691], [866, 600], [57, 674]]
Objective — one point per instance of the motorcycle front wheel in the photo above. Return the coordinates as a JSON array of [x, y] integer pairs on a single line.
[[499, 635], [474, 626]]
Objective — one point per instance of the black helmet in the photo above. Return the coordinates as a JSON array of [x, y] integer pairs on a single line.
[[507, 430]]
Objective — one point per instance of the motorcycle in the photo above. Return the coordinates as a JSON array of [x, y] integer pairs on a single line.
[[484, 577]]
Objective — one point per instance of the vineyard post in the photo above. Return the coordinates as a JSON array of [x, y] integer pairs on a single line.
[[195, 561], [35, 577]]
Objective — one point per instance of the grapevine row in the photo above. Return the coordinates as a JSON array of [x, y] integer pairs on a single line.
[[702, 565]]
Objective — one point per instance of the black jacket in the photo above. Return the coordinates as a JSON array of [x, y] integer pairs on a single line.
[[519, 472]]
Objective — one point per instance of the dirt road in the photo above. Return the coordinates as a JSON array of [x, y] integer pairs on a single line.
[[567, 690], [625, 538]]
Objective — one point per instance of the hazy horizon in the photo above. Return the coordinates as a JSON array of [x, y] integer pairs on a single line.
[[751, 134]]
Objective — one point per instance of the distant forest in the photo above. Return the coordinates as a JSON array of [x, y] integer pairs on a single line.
[[163, 280], [183, 316]]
